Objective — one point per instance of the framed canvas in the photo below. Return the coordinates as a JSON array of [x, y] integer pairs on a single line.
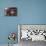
[[11, 11]]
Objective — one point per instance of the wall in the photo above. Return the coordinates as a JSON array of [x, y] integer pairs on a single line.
[[29, 12]]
